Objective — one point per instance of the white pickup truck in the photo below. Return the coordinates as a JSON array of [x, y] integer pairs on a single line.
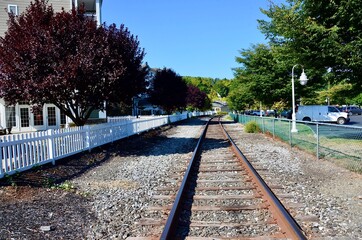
[[321, 113]]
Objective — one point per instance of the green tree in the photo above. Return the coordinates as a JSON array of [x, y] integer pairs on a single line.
[[221, 88], [265, 73], [239, 98], [337, 94], [357, 100], [321, 35], [202, 83]]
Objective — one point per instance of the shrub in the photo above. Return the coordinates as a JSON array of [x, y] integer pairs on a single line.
[[252, 127], [67, 186], [222, 113]]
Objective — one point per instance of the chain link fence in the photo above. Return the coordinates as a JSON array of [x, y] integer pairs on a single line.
[[341, 144]]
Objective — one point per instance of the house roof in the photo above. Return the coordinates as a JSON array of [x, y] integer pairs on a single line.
[[219, 104]]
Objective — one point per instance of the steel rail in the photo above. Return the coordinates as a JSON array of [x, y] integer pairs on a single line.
[[170, 226], [283, 217]]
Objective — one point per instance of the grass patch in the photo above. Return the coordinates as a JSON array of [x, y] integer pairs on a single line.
[[228, 117], [347, 163], [341, 150]]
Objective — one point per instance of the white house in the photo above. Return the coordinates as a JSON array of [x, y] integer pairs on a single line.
[[20, 117], [220, 106]]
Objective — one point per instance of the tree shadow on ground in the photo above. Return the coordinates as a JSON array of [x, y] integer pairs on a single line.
[[151, 143]]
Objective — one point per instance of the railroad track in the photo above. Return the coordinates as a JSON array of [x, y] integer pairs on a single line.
[[220, 196]]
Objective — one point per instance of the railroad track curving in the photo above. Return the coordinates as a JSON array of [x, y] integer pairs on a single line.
[[219, 196]]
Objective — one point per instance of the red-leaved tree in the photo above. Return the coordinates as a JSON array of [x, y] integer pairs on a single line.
[[65, 59], [196, 99], [168, 91]]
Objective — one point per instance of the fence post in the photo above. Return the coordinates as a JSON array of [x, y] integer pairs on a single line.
[[51, 145], [87, 140], [317, 141], [274, 119], [2, 158], [111, 130], [290, 134]]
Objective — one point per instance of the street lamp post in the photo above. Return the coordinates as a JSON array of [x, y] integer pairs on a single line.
[[303, 80]]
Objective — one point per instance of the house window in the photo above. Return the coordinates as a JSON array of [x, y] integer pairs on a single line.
[[90, 16], [63, 118], [10, 117], [13, 9], [38, 117], [24, 117], [52, 120]]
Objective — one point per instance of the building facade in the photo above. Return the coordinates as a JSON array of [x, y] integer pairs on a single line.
[[19, 117], [219, 106], [93, 8]]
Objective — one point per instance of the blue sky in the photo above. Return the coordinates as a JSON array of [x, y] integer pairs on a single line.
[[192, 37]]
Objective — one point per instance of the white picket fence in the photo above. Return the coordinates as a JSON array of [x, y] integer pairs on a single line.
[[23, 151]]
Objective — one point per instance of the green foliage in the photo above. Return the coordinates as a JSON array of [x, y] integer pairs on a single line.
[[264, 74], [216, 89], [11, 179], [48, 182], [357, 100], [252, 127], [221, 88], [240, 97], [221, 113], [322, 37], [67, 186], [337, 94], [280, 106], [202, 83]]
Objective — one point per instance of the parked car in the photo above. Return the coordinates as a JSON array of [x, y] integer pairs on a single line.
[[270, 113], [286, 114], [257, 112], [248, 112], [321, 113], [352, 110]]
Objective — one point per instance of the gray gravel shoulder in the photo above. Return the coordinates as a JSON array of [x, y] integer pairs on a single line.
[[122, 188], [106, 201], [328, 198]]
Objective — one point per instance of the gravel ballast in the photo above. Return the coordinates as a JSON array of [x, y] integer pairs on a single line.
[[110, 189]]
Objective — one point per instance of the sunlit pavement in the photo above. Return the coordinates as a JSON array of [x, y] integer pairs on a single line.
[[356, 120]]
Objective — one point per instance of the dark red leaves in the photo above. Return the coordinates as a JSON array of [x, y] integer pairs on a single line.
[[64, 58]]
